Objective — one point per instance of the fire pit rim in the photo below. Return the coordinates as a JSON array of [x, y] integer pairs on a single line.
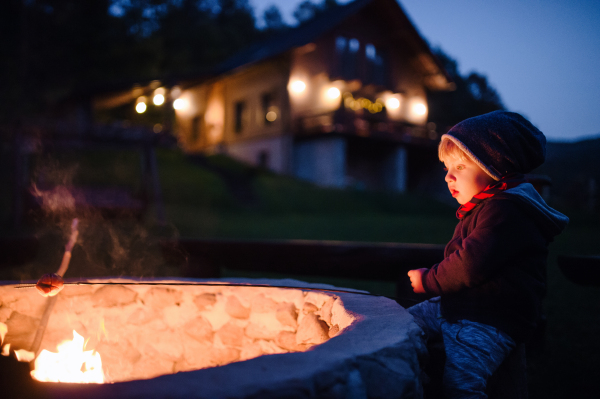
[[380, 326]]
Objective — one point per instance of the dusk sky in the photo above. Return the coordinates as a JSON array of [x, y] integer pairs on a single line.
[[542, 56]]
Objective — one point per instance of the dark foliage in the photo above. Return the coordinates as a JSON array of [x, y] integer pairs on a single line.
[[575, 175], [472, 96], [55, 49], [59, 49]]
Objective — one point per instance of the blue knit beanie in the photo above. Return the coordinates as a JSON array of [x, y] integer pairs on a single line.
[[500, 142]]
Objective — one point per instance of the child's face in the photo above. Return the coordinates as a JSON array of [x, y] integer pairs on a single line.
[[465, 178]]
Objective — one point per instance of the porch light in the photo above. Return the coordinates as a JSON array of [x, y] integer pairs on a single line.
[[179, 104], [298, 86], [419, 109], [392, 103], [333, 93]]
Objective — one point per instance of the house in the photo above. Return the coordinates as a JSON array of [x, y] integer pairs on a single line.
[[339, 101]]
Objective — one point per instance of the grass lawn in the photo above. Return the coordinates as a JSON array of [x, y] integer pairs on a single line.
[[201, 203]]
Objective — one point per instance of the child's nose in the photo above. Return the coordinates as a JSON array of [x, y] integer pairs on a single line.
[[449, 177]]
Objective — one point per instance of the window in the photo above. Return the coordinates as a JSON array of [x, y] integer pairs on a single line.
[[375, 71], [347, 53], [370, 52], [195, 131], [359, 60], [240, 106], [340, 44]]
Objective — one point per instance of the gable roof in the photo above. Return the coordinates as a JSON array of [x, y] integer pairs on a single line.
[[389, 11]]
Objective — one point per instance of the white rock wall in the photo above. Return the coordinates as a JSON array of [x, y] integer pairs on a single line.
[[145, 331]]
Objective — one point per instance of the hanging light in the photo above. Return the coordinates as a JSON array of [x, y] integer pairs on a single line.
[[158, 99], [159, 96], [140, 106]]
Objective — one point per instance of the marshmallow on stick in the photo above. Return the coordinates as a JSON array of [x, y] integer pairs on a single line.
[[51, 284]]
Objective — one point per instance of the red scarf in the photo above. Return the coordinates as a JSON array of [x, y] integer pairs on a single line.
[[508, 181]]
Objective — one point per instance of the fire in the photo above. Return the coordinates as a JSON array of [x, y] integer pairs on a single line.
[[70, 364]]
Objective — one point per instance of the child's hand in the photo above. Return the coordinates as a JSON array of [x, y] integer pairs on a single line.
[[416, 280]]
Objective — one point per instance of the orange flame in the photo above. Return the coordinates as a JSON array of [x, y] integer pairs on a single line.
[[70, 364]]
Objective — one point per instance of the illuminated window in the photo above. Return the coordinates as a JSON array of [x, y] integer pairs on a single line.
[[240, 107]]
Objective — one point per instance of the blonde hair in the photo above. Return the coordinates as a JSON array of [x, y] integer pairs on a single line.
[[448, 148]]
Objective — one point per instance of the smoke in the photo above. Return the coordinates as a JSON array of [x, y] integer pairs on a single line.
[[56, 201], [117, 236]]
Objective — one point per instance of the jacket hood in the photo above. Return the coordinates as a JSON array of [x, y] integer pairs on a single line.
[[550, 220], [500, 142]]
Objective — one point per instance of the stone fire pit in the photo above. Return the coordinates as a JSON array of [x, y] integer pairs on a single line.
[[225, 342]]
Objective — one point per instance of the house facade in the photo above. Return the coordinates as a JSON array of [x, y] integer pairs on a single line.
[[339, 101]]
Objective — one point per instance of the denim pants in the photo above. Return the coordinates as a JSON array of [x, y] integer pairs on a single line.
[[473, 350]]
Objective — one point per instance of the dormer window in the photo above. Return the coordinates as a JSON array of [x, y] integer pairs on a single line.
[[340, 44], [370, 52], [374, 66], [348, 57], [356, 60]]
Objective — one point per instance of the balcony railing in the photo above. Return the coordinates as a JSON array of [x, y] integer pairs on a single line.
[[364, 124]]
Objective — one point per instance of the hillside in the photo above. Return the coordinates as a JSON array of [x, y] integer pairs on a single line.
[[574, 168]]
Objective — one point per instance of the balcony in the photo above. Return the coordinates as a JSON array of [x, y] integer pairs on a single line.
[[362, 123]]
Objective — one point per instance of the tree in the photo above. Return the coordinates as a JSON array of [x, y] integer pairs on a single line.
[[307, 10], [273, 19], [53, 49], [473, 96], [56, 46]]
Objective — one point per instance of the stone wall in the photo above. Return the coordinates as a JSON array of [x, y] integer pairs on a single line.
[[375, 353], [145, 331]]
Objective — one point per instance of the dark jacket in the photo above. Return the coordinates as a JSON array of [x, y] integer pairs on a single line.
[[494, 271]]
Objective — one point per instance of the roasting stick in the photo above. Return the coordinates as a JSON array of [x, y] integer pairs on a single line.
[[50, 285], [64, 265]]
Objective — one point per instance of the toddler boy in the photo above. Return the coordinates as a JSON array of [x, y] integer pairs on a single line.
[[489, 287]]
